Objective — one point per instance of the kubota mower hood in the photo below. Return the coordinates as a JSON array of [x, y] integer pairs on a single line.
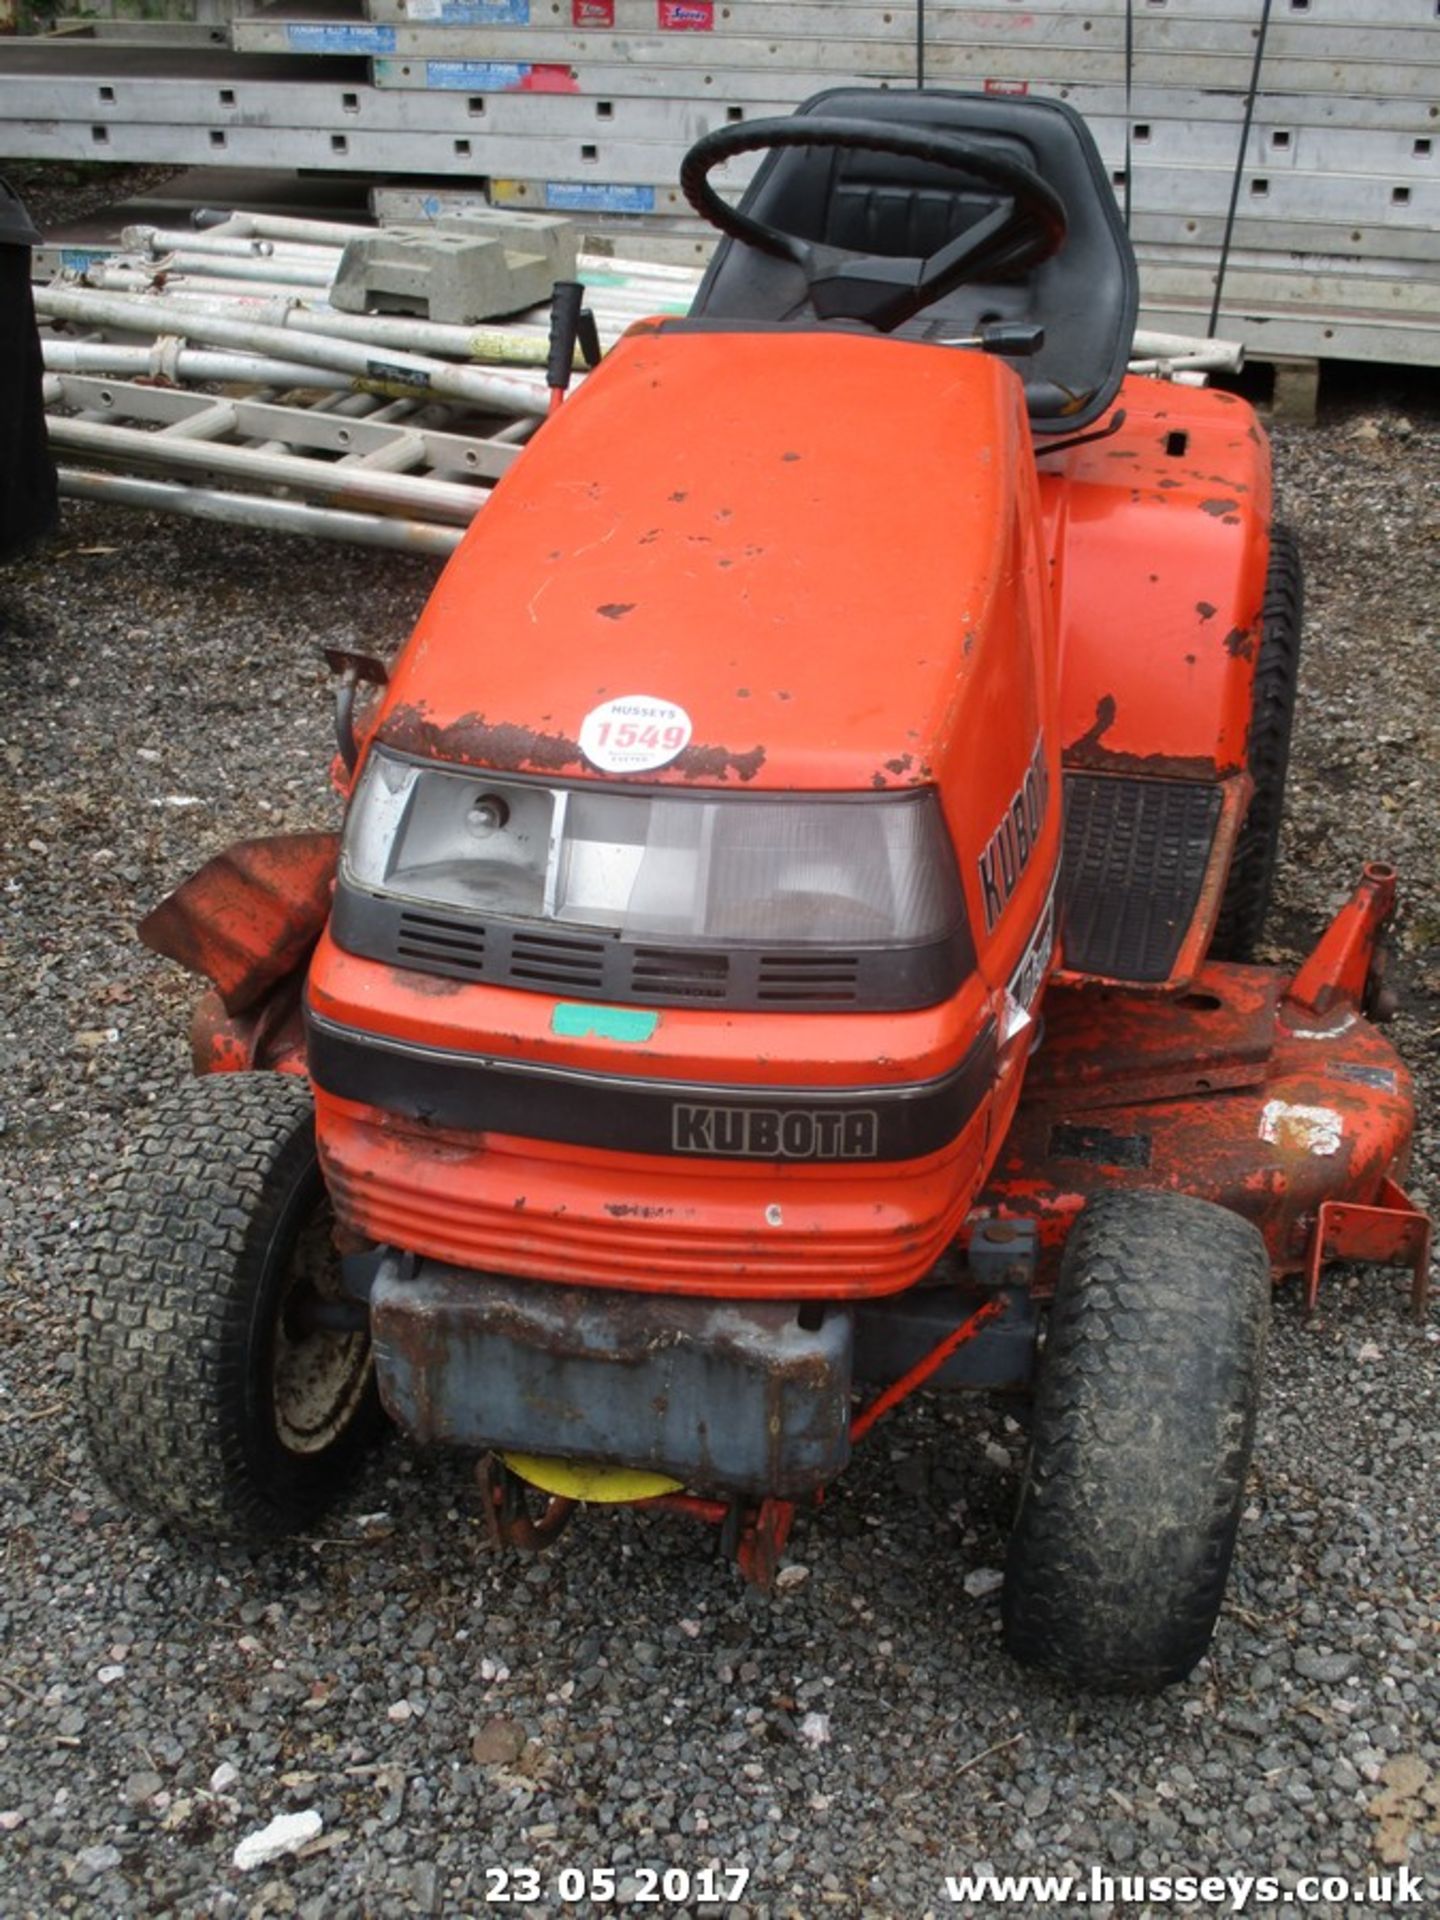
[[792, 559]]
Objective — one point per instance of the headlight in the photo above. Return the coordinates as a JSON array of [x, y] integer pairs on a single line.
[[667, 864]]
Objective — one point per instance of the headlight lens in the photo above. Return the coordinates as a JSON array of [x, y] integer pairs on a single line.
[[666, 864]]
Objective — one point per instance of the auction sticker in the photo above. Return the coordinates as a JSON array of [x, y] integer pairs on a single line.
[[634, 733]]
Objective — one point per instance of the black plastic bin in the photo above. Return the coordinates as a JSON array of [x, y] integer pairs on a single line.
[[28, 500]]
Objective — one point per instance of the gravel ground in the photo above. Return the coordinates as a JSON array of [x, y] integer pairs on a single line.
[[622, 1702], [70, 194]]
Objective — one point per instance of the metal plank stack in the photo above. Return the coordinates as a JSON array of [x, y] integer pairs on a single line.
[[586, 106]]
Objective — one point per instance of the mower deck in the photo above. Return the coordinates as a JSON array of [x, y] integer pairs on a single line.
[[1230, 1092]]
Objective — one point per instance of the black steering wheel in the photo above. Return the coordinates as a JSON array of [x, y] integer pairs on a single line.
[[1025, 225]]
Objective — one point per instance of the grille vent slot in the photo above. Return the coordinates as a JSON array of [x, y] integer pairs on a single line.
[[458, 943], [559, 960], [679, 973], [796, 978]]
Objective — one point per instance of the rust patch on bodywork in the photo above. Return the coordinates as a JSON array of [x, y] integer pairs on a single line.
[[1157, 766], [474, 740], [717, 763], [504, 747], [1240, 643], [1104, 720], [415, 980], [1088, 751]]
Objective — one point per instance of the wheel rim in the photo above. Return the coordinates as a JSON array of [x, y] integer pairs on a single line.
[[319, 1375]]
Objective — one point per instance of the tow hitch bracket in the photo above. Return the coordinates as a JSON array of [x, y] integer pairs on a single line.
[[1391, 1233]]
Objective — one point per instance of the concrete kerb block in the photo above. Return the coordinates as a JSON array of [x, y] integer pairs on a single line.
[[458, 270], [1295, 397]]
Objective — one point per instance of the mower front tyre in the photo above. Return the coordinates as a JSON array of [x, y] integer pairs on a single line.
[[224, 1386], [1143, 1422]]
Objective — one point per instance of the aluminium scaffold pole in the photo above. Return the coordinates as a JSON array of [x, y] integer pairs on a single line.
[[256, 510], [395, 372]]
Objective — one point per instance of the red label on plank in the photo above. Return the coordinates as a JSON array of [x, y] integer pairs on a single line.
[[548, 77], [687, 16], [592, 13], [1007, 86]]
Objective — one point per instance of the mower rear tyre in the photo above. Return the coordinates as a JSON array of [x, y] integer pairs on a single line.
[[1246, 900], [213, 1396], [1143, 1422]]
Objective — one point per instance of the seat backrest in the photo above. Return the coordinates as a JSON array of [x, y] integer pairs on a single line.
[[1085, 297]]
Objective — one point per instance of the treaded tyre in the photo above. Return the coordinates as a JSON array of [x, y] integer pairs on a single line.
[[1143, 1422], [212, 1397], [1246, 900]]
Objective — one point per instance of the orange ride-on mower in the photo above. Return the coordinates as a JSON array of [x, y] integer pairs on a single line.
[[790, 941]]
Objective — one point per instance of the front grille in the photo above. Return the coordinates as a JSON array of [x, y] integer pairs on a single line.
[[1136, 855], [547, 958]]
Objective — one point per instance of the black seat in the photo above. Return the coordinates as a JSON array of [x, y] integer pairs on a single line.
[[1085, 296]]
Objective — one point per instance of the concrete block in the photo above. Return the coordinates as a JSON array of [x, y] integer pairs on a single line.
[[462, 270], [1295, 397]]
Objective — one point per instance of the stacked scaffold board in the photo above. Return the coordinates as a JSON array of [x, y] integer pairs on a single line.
[[1297, 139]]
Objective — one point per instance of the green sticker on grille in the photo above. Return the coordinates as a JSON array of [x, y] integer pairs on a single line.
[[631, 1024]]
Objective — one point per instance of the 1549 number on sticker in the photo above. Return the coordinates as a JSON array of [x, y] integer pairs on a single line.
[[603, 1886], [634, 733]]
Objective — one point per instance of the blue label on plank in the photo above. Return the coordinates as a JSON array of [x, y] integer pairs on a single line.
[[77, 259], [584, 196], [481, 13], [304, 37], [478, 76]]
